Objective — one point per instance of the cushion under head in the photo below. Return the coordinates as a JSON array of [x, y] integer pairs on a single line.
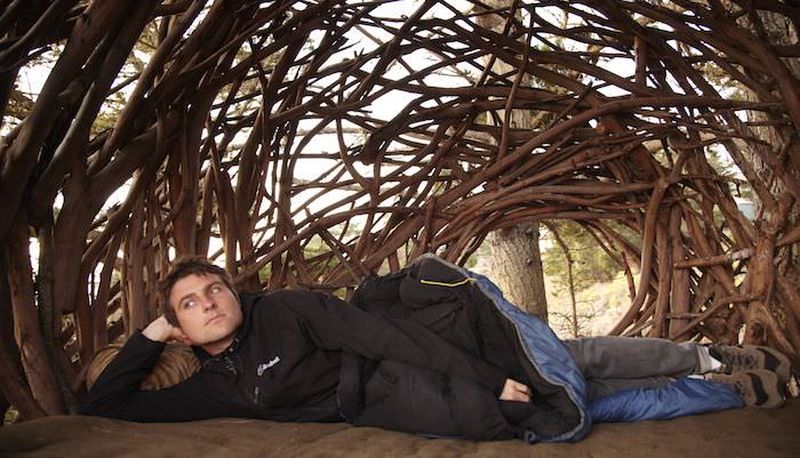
[[177, 363]]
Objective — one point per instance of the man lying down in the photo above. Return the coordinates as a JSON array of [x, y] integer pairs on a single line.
[[433, 349]]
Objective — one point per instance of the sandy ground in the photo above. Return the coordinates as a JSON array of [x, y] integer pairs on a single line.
[[751, 433]]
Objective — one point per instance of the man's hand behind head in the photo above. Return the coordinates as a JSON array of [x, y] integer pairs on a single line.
[[160, 330]]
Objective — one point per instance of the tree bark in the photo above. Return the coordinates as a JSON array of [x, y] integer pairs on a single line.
[[517, 267], [26, 324], [12, 378]]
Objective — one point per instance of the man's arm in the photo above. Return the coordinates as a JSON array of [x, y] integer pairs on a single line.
[[336, 325], [116, 393]]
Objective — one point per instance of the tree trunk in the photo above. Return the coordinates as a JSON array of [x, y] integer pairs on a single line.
[[12, 378], [30, 342], [517, 267], [775, 164], [516, 260]]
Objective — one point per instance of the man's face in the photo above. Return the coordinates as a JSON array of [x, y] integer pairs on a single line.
[[208, 312]]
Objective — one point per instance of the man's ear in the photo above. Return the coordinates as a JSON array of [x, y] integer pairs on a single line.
[[181, 337]]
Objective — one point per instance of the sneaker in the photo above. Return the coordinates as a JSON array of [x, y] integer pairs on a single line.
[[758, 388], [747, 357]]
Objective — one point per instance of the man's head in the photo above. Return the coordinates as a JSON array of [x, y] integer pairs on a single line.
[[199, 298]]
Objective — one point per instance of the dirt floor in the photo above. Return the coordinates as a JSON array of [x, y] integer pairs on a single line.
[[748, 433]]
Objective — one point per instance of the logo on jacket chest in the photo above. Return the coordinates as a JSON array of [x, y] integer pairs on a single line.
[[263, 367]]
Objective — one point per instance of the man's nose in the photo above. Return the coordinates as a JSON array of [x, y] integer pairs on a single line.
[[209, 303]]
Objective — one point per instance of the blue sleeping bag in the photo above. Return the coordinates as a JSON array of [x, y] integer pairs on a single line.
[[686, 396]]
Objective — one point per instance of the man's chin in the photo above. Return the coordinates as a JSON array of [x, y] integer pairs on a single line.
[[219, 341]]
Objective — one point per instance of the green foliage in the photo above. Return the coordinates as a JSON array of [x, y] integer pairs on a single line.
[[591, 264], [472, 261], [264, 273]]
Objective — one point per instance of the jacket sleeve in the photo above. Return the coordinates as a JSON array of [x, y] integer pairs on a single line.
[[116, 393], [336, 325]]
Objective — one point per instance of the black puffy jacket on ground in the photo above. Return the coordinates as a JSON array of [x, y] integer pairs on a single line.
[[458, 307]]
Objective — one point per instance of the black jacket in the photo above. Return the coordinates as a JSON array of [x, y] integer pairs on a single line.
[[284, 364]]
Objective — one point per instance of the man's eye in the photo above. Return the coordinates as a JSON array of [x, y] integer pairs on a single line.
[[215, 289], [189, 304]]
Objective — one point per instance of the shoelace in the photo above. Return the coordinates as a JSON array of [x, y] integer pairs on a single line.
[[740, 387], [743, 360]]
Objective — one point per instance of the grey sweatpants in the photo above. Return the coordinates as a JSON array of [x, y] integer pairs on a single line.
[[612, 364]]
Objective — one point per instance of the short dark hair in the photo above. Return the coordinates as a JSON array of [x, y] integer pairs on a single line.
[[194, 265]]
